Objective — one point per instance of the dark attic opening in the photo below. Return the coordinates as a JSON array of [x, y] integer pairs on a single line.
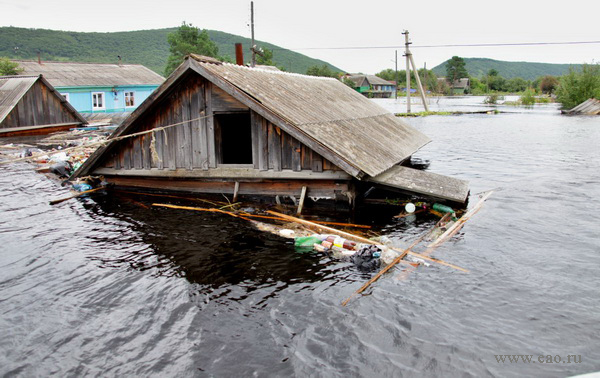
[[234, 137]]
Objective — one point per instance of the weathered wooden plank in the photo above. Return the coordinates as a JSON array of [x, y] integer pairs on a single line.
[[286, 151], [426, 183], [137, 153], [210, 127], [223, 102], [171, 140], [158, 147], [196, 128], [127, 155], [263, 144], [117, 160], [296, 155], [317, 188], [146, 151], [254, 125], [317, 163], [177, 114], [218, 141], [227, 172], [187, 131], [306, 157], [274, 147]]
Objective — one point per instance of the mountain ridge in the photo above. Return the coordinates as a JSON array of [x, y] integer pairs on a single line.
[[148, 47]]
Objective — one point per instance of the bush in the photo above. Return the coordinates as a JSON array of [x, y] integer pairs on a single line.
[[528, 97], [579, 86], [8, 67]]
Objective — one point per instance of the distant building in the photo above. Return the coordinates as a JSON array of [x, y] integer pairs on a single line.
[[30, 105], [373, 86], [97, 87], [461, 86]]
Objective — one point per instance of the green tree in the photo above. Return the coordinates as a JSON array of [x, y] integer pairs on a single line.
[[579, 86], [455, 69], [516, 84], [8, 67], [266, 59], [188, 39], [323, 70], [548, 84]]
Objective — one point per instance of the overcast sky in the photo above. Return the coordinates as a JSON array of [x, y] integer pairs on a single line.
[[305, 25]]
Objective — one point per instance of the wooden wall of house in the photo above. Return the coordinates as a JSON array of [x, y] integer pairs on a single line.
[[39, 106], [195, 144]]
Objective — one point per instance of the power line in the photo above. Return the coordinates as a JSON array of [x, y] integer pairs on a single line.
[[449, 45]]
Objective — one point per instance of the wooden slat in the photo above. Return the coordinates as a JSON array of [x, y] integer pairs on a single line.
[[306, 157], [126, 146], [210, 127], [187, 131], [137, 153], [159, 146], [296, 155], [254, 131], [425, 183], [286, 151], [317, 163], [196, 128], [146, 152], [274, 148], [263, 144], [171, 141]]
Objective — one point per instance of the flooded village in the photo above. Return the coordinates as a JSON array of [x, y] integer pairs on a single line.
[[232, 217]]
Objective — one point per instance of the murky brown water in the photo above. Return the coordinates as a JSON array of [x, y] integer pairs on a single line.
[[109, 288]]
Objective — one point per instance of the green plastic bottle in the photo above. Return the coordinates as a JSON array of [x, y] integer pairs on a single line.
[[442, 208]]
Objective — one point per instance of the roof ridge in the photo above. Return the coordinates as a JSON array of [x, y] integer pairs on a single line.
[[279, 72], [73, 62]]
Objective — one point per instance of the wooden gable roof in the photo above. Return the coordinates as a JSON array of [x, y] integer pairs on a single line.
[[14, 88], [334, 120]]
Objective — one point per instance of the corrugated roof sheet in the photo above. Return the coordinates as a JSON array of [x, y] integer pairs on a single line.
[[71, 74], [361, 132], [589, 107], [369, 80], [12, 89]]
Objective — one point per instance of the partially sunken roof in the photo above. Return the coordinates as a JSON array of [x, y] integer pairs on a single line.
[[13, 88], [361, 80], [71, 74], [344, 126], [355, 128]]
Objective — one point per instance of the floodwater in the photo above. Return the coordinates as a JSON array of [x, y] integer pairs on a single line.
[[113, 287]]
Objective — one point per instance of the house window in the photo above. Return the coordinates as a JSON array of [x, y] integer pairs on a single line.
[[98, 101], [234, 138], [129, 99], [66, 96]]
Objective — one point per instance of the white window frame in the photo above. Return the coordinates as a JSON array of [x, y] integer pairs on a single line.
[[66, 96], [132, 98], [101, 94]]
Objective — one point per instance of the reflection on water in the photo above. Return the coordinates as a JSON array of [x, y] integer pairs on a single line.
[[112, 287]]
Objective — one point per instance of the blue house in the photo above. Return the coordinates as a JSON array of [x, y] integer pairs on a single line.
[[97, 87]]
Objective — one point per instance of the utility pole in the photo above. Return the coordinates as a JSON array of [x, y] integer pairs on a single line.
[[396, 91], [409, 58], [407, 55], [253, 47]]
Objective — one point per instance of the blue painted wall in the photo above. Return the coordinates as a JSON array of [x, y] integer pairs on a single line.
[[114, 97]]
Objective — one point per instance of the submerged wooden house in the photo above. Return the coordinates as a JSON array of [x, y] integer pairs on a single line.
[[30, 105], [251, 131]]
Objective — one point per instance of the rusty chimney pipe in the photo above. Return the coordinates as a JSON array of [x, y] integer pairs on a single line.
[[239, 54], [39, 57]]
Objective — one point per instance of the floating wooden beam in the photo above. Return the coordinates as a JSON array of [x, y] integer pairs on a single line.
[[301, 204]]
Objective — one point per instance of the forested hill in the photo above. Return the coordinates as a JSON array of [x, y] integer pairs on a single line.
[[479, 67], [147, 47]]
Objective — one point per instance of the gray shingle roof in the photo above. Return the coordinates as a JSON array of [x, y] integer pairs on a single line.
[[71, 74]]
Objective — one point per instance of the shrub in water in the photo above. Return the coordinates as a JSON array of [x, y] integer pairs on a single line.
[[577, 87]]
